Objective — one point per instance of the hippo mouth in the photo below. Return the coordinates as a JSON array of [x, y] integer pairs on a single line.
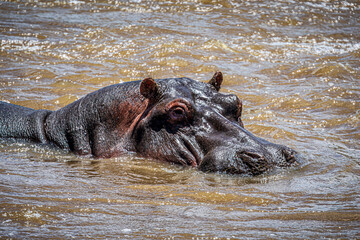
[[193, 156], [245, 162], [236, 160]]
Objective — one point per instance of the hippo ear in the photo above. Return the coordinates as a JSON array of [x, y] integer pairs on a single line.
[[149, 88], [216, 80]]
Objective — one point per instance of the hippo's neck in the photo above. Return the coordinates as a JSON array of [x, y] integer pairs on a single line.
[[99, 123]]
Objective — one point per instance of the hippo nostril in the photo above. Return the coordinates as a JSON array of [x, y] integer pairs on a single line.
[[256, 163], [289, 155], [252, 155]]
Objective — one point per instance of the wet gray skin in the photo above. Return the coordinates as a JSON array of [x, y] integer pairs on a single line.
[[176, 120], [192, 123]]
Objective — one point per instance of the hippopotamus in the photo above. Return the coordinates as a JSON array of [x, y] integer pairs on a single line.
[[177, 120]]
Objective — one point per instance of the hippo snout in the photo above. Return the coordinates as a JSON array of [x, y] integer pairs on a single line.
[[248, 162]]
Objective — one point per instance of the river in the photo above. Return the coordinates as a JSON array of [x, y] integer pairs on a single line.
[[295, 65]]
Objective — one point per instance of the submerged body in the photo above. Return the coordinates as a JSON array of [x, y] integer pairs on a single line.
[[176, 120]]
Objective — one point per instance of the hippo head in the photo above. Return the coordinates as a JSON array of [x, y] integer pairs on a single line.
[[192, 123]]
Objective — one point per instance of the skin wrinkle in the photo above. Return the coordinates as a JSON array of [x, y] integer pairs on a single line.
[[192, 147]]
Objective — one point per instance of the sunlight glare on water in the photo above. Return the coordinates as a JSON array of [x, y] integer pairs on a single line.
[[295, 65]]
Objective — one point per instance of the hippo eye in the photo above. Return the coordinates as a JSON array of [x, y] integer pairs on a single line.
[[178, 111]]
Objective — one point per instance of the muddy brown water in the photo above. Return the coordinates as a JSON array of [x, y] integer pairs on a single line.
[[295, 65]]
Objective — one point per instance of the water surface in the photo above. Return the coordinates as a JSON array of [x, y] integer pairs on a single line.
[[295, 65]]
